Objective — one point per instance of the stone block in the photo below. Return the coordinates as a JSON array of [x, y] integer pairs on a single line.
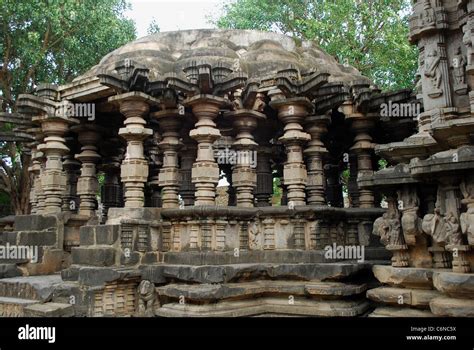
[[445, 306], [107, 234], [49, 310], [37, 238], [96, 256], [34, 222], [9, 270], [400, 312], [404, 277], [262, 306], [457, 285], [14, 307], [87, 235]]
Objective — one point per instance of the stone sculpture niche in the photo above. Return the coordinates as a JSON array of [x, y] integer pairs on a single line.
[[388, 228]]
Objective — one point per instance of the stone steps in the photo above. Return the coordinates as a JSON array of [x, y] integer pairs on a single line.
[[268, 305], [403, 297], [39, 288], [14, 307], [387, 311], [163, 273], [291, 256], [215, 292], [49, 310], [452, 307], [30, 297]]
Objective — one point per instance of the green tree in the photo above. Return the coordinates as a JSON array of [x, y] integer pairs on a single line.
[[153, 27], [370, 35], [49, 41]]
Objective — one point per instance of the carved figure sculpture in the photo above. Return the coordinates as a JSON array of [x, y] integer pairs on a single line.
[[146, 299], [432, 71]]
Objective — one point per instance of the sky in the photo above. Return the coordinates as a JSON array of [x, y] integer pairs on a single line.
[[172, 14]]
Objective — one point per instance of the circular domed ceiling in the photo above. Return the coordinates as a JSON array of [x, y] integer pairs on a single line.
[[254, 53]]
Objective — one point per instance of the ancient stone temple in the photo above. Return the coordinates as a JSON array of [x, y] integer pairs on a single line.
[[128, 219]]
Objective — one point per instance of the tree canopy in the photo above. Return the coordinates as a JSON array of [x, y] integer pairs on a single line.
[[49, 41], [370, 35]]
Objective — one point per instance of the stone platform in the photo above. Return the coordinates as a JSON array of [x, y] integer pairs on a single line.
[[407, 292]]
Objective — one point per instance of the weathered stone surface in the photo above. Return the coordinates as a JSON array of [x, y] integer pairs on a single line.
[[34, 222], [252, 307], [9, 270], [107, 234], [213, 292], [37, 238], [261, 256], [404, 277], [97, 276], [221, 258], [32, 287], [48, 310], [445, 306], [116, 215], [236, 272], [14, 307], [457, 285], [87, 235], [96, 256], [400, 312], [403, 296]]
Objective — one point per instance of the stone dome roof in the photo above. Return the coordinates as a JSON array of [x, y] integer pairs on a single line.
[[257, 54]]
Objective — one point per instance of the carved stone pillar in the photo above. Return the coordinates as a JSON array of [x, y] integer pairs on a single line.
[[264, 190], [333, 186], [352, 187], [388, 228], [205, 172], [134, 170], [188, 155], [88, 185], [112, 151], [457, 244], [363, 148], [53, 179], [244, 177], [170, 123], [34, 171], [316, 126], [155, 161], [39, 192], [72, 168], [292, 112], [467, 218], [416, 240], [444, 226]]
